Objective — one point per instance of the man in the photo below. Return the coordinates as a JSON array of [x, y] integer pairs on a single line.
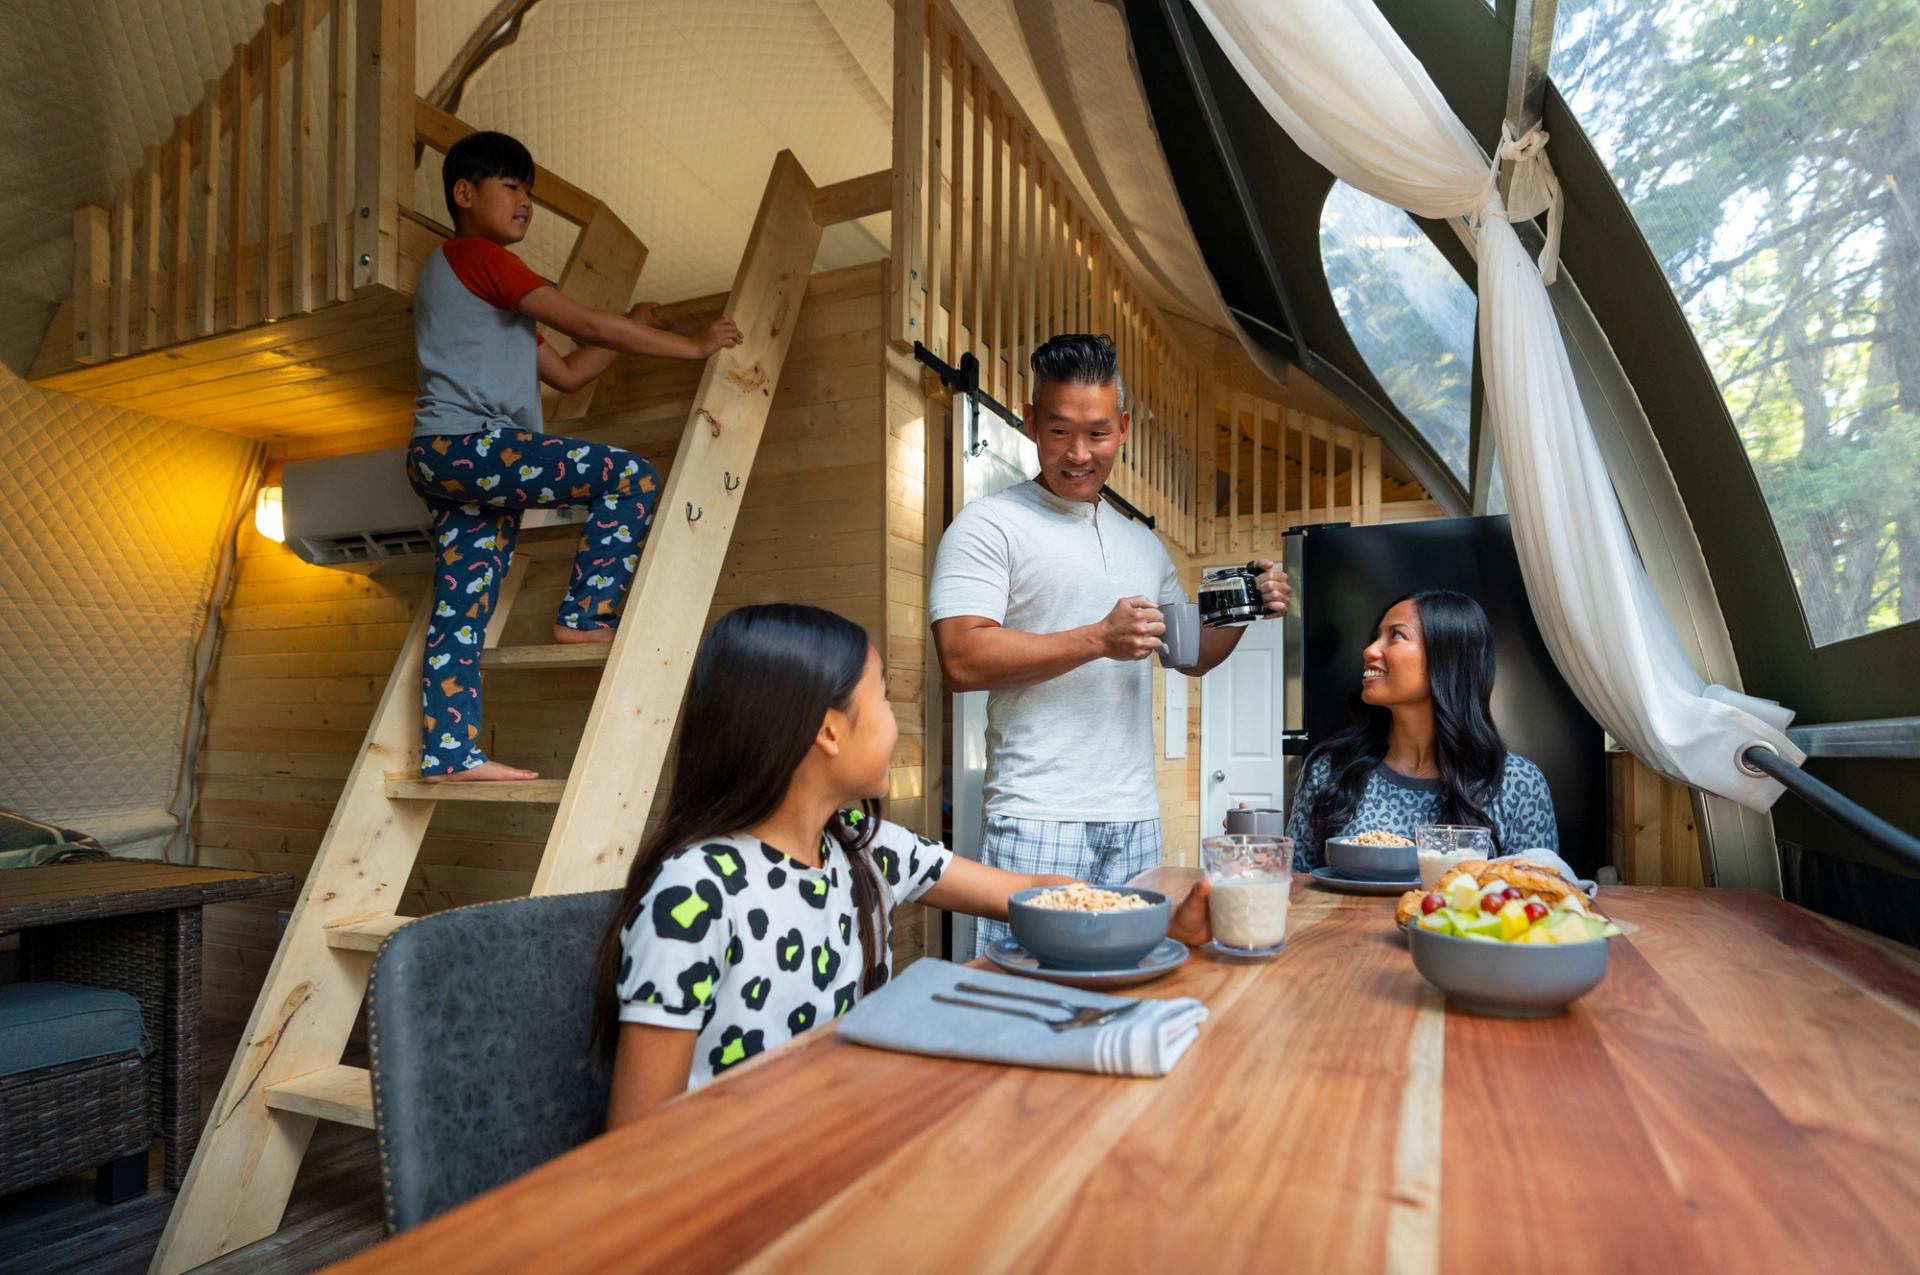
[[1046, 596]]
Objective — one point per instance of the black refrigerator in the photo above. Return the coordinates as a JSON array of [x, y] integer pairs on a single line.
[[1344, 577]]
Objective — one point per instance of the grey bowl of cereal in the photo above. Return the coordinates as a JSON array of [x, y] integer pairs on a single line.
[[1373, 856], [1082, 927]]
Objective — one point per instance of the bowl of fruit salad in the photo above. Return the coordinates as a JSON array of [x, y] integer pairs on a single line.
[[1495, 946]]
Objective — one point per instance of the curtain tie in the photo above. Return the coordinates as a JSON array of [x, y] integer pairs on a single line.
[[1535, 190]]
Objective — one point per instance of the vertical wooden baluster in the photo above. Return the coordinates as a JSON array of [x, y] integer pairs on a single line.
[[152, 207], [1280, 482], [383, 135], [936, 187], [303, 157], [123, 267], [959, 209], [207, 282], [179, 263], [1370, 495], [1353, 476], [909, 49], [339, 237], [997, 263], [977, 221], [1234, 415], [239, 187], [1257, 530], [92, 283], [1031, 309], [273, 156], [1043, 268]]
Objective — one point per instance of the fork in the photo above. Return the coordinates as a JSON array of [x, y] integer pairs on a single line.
[[1083, 1016], [1072, 1008]]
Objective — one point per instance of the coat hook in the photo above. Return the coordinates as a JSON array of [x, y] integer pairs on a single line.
[[692, 516], [730, 482]]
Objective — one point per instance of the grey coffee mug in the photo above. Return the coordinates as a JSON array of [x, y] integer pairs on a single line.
[[1180, 644], [1261, 821]]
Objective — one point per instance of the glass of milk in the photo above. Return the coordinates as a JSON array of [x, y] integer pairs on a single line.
[[1252, 882], [1441, 846]]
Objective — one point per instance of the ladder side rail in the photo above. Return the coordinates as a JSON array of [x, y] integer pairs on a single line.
[[243, 1170], [624, 747]]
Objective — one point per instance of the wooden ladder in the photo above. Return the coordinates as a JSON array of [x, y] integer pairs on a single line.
[[287, 1072]]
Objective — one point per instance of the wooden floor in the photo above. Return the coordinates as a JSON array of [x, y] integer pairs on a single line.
[[335, 1208]]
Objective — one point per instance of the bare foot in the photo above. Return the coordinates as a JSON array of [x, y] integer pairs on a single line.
[[486, 771], [570, 637]]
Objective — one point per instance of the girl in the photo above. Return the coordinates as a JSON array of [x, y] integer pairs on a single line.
[[760, 906], [1422, 748]]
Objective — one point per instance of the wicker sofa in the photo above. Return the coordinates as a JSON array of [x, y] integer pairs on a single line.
[[75, 1089]]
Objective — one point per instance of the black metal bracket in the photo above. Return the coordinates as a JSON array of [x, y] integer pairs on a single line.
[[965, 379]]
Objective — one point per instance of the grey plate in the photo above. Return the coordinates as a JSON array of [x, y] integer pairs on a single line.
[[1014, 959], [1348, 885]]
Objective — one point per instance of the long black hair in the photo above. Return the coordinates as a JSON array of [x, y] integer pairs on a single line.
[[1467, 750], [762, 682]]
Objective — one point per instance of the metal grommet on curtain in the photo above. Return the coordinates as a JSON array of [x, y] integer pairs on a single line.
[[1747, 767]]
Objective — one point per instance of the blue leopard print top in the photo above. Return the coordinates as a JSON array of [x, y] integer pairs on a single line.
[[1522, 810]]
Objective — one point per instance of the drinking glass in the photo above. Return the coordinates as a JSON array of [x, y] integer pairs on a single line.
[[1251, 880], [1440, 846]]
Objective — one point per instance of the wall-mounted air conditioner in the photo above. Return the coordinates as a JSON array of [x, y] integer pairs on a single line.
[[360, 507]]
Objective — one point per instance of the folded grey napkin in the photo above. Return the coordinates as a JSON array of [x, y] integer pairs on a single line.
[[1548, 859], [904, 1016]]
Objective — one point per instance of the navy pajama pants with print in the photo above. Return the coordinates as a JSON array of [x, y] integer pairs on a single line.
[[477, 485]]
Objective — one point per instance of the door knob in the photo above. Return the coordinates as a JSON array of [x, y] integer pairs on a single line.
[[1219, 776]]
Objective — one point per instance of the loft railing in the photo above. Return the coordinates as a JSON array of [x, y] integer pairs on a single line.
[[289, 188], [994, 250], [246, 212], [1284, 469]]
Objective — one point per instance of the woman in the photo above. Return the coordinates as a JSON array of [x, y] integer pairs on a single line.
[[760, 907], [1422, 748]]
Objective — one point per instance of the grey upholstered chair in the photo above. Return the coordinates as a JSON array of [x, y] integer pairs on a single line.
[[479, 1020]]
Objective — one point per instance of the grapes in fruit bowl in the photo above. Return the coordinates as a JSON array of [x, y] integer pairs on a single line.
[[1498, 913]]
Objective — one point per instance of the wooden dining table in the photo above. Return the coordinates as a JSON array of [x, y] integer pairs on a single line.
[[1742, 1092]]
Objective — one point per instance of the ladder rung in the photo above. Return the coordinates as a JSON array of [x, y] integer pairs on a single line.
[[534, 791], [556, 655], [364, 936], [540, 519], [341, 1094]]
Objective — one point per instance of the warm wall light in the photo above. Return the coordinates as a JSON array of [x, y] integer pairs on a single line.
[[266, 515]]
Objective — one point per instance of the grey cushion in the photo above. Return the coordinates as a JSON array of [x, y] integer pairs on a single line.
[[479, 1024], [47, 1024]]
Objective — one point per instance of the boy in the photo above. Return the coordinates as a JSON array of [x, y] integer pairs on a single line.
[[479, 455]]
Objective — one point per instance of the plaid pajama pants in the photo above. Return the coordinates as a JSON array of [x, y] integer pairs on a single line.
[[1098, 853]]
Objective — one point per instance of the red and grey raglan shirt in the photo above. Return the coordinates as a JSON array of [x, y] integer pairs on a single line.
[[479, 369]]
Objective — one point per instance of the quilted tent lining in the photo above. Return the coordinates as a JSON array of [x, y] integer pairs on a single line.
[[113, 521]]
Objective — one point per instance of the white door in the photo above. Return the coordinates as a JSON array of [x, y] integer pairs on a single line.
[[1241, 720], [998, 456]]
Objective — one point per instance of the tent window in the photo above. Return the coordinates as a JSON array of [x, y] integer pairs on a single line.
[[1408, 311], [1767, 151]]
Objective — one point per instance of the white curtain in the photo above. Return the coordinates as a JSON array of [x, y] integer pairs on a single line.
[[1335, 75]]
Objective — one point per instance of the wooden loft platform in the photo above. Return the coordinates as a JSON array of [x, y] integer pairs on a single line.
[[256, 274]]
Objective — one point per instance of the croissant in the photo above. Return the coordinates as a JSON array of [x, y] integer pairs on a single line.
[[1523, 876]]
